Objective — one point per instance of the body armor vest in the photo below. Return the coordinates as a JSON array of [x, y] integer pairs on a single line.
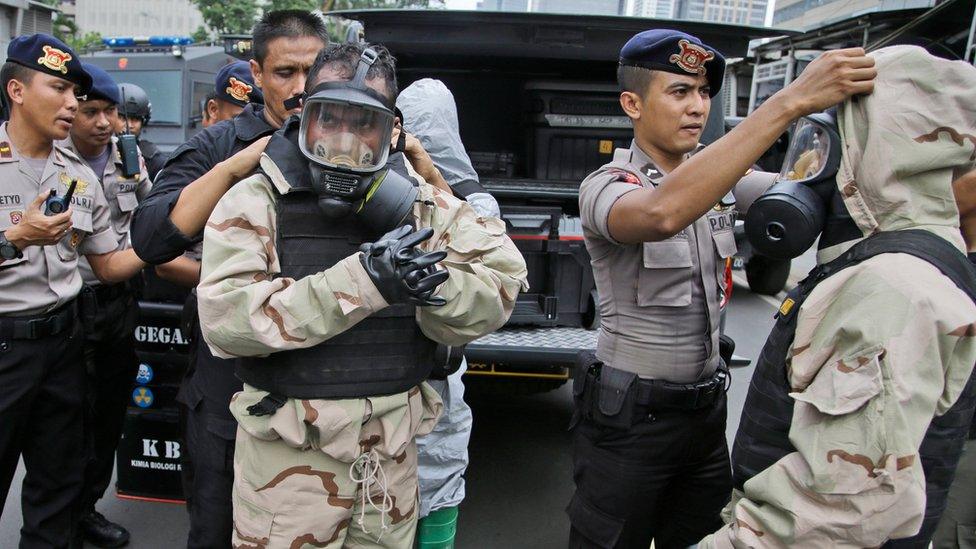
[[763, 435], [385, 353]]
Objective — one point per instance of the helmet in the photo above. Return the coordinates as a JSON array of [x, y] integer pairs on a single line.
[[135, 102]]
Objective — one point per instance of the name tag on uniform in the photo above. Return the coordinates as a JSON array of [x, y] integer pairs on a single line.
[[127, 201]]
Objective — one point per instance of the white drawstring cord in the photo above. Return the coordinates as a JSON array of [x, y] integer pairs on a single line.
[[366, 471]]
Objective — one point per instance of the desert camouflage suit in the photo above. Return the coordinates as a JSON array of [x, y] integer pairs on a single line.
[[336, 473], [880, 347]]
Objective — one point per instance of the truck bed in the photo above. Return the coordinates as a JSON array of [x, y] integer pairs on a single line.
[[524, 347], [531, 347]]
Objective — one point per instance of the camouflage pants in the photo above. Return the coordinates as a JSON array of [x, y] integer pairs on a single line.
[[316, 491]]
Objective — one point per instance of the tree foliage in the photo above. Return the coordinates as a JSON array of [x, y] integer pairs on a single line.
[[200, 35], [307, 5], [238, 16], [228, 16], [66, 30]]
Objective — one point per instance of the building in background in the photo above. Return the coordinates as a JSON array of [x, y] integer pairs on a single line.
[[736, 12], [808, 14], [588, 7], [137, 17], [19, 17], [657, 9]]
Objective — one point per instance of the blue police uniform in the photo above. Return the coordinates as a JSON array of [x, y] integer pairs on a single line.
[[651, 460]]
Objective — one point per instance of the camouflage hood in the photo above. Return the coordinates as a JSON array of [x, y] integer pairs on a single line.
[[904, 144]]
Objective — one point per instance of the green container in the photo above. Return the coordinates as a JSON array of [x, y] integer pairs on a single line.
[[436, 530]]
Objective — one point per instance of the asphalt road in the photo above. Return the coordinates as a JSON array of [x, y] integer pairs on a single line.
[[519, 480]]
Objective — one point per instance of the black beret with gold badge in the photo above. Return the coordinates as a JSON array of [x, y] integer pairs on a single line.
[[47, 54], [676, 52]]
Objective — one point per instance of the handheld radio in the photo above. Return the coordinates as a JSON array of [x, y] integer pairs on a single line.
[[54, 205], [128, 146]]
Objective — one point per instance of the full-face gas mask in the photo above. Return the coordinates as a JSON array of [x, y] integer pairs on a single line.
[[804, 202], [345, 132]]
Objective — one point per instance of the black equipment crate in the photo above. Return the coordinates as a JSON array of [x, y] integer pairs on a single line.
[[148, 460], [493, 164], [560, 278], [575, 128]]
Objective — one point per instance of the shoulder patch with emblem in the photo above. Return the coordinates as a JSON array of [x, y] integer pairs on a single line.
[[624, 176]]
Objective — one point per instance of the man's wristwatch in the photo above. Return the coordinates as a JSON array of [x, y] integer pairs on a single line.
[[7, 250]]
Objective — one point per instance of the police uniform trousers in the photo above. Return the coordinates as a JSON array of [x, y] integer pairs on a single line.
[[207, 465], [666, 479], [111, 366], [42, 379]]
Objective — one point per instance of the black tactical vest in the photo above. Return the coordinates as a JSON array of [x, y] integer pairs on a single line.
[[763, 435], [384, 354]]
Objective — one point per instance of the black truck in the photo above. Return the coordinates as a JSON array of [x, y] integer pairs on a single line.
[[538, 107]]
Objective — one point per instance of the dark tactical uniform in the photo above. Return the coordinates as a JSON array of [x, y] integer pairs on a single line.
[[155, 158], [209, 427], [42, 376]]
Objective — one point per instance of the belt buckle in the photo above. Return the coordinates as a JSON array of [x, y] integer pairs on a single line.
[[33, 326]]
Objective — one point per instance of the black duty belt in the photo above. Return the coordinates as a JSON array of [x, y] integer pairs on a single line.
[[660, 395], [37, 327]]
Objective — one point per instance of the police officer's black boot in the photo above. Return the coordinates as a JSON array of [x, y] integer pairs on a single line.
[[101, 532]]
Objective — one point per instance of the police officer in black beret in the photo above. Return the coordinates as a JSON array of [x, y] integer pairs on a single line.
[[42, 235], [234, 89], [111, 312], [650, 455]]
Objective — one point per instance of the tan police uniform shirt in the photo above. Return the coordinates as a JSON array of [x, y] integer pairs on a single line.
[[660, 301], [47, 277], [123, 195]]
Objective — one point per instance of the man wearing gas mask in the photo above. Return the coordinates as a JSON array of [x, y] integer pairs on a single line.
[[863, 394], [170, 221], [651, 460], [332, 277]]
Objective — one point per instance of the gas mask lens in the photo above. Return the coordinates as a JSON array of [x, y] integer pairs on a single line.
[[808, 153], [345, 135]]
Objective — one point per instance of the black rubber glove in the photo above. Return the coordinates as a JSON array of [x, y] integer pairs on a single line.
[[402, 272]]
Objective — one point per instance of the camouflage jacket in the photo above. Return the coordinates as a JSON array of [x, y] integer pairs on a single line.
[[882, 347], [246, 309]]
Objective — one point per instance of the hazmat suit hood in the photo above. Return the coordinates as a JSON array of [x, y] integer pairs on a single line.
[[430, 113], [905, 143]]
